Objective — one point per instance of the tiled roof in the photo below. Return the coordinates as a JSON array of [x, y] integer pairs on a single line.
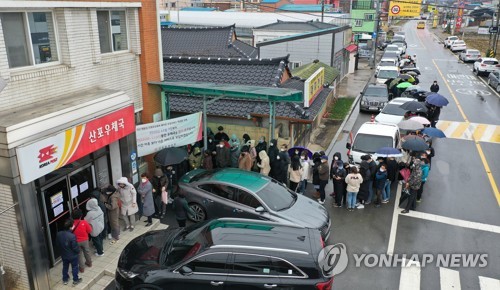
[[204, 42], [244, 108], [255, 72], [296, 26], [305, 71]]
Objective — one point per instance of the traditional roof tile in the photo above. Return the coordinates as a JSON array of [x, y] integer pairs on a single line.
[[296, 26]]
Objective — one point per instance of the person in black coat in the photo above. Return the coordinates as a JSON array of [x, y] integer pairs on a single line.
[[392, 176], [69, 250], [336, 156], [435, 87], [221, 135], [315, 174], [284, 162], [261, 146], [273, 153], [364, 170], [373, 171], [339, 186]]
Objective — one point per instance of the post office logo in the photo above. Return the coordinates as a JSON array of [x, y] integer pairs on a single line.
[[46, 155]]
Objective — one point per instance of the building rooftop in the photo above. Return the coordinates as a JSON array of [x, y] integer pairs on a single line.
[[305, 71], [296, 26]]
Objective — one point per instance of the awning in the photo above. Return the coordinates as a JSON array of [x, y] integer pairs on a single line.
[[351, 48]]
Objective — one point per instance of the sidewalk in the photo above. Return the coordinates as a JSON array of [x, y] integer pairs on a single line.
[[102, 272]]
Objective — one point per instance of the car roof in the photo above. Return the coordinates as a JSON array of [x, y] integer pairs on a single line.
[[252, 181], [470, 49], [388, 68], [372, 128], [387, 59], [380, 86], [257, 235], [401, 100], [489, 58]]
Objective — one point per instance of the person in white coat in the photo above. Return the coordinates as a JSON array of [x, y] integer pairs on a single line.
[[306, 171], [128, 197]]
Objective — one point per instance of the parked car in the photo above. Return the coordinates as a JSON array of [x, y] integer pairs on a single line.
[[374, 97], [485, 65], [401, 46], [399, 38], [494, 80], [385, 73], [387, 62], [458, 45], [231, 192], [448, 41], [392, 113], [394, 48], [469, 55], [224, 254], [392, 54]]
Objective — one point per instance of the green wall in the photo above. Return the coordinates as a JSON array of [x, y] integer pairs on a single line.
[[367, 25]]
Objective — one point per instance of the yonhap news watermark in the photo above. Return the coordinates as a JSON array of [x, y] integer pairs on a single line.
[[333, 260]]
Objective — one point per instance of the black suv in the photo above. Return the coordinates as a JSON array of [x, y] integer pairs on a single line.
[[373, 98], [224, 254]]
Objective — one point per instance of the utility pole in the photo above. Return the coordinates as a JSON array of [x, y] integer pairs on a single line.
[[496, 34], [322, 9], [375, 33]]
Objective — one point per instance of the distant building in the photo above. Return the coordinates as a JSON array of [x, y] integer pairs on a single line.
[[363, 16]]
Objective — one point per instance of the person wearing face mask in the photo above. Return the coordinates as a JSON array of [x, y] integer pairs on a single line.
[[273, 153], [145, 189], [128, 198], [264, 163], [284, 162], [425, 174], [430, 152], [339, 186], [295, 172], [306, 166], [160, 183], [234, 141], [333, 168], [111, 200], [380, 178], [435, 87], [253, 154], [222, 157], [324, 175], [261, 145], [220, 136], [245, 139], [245, 160], [234, 153]]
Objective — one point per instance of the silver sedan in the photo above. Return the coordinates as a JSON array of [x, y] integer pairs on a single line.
[[470, 55]]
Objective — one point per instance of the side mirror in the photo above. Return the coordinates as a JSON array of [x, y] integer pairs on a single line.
[[360, 93], [186, 271], [348, 146], [375, 76], [260, 209]]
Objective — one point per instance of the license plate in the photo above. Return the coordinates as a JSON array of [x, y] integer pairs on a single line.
[[373, 108]]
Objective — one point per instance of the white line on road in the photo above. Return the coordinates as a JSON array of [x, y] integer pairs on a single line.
[[394, 224], [454, 222], [486, 283], [449, 279], [410, 276]]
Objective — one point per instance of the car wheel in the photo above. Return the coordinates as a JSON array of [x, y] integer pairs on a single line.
[[498, 88], [199, 211], [489, 83]]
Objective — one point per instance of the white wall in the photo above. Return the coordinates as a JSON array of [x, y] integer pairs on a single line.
[[82, 65]]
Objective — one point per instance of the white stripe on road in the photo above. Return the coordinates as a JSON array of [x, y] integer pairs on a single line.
[[410, 276], [454, 222], [394, 224], [488, 133], [449, 279], [486, 283]]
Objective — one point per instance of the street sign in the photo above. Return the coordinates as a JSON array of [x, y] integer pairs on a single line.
[[493, 29], [395, 9], [374, 35]]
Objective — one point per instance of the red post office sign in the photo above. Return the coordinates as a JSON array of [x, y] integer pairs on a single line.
[[44, 156]]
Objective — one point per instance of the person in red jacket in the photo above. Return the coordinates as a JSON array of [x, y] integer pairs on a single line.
[[82, 230]]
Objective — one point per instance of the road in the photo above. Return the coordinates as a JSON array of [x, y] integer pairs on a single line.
[[459, 212]]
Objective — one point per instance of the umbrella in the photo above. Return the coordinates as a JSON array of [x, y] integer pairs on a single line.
[[414, 143], [395, 82], [171, 156], [411, 73], [436, 100], [413, 106], [412, 136], [410, 125], [388, 152], [413, 88], [291, 151], [404, 85], [421, 120], [407, 78], [434, 132]]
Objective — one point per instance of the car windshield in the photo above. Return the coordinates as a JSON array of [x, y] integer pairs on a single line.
[[459, 42], [371, 143], [186, 244], [387, 63], [387, 74], [399, 44], [390, 54], [474, 52], [376, 92], [276, 196], [490, 62], [392, 48], [393, 109]]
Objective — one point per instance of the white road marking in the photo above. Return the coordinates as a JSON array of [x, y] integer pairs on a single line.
[[449, 279], [486, 283], [410, 276], [488, 133], [455, 222], [394, 224]]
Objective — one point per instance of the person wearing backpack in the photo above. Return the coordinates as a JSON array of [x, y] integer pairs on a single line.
[[413, 184], [95, 217]]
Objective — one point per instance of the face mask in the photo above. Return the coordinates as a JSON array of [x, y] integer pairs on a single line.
[[271, 144], [428, 152], [159, 176], [144, 180], [323, 160], [382, 170], [261, 141], [283, 149], [302, 157], [122, 185], [296, 152], [336, 158], [209, 141], [221, 146]]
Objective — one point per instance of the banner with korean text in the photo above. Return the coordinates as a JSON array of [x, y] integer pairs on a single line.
[[42, 157], [405, 8], [153, 137]]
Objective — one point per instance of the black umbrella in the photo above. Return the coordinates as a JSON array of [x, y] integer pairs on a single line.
[[170, 156], [413, 106], [414, 143]]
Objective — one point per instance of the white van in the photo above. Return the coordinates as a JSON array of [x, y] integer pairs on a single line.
[[370, 137]]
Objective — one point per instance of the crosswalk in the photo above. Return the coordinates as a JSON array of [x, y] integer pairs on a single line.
[[449, 279], [470, 131]]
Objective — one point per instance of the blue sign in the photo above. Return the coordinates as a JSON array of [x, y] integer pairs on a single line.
[[374, 35]]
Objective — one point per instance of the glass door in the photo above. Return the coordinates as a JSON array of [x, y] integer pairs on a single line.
[[57, 208], [81, 185]]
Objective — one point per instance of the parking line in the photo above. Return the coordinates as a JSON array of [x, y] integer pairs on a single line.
[[449, 279], [410, 276], [486, 166], [486, 283], [454, 222], [394, 224]]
